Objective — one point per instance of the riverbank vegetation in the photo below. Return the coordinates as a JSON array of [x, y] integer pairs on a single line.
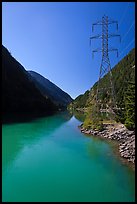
[[124, 92]]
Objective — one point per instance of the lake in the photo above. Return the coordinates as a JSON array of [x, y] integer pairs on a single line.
[[49, 159]]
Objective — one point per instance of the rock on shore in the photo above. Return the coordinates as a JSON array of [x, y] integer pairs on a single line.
[[119, 132]]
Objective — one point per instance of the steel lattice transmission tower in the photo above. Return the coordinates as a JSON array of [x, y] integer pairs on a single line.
[[105, 67]]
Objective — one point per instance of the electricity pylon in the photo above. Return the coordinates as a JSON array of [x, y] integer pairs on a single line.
[[105, 67]]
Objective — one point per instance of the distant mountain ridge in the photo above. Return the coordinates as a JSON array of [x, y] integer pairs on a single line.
[[21, 95], [49, 89]]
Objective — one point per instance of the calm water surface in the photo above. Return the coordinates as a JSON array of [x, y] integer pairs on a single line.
[[48, 159]]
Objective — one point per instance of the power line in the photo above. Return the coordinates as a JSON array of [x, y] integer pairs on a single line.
[[128, 30], [127, 46]]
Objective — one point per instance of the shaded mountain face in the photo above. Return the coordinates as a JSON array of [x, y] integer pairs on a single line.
[[19, 94], [48, 89]]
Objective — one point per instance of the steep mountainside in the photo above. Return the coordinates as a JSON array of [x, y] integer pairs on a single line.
[[124, 84], [48, 89], [19, 94]]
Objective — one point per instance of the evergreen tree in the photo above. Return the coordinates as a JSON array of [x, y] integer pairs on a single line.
[[124, 88], [130, 106]]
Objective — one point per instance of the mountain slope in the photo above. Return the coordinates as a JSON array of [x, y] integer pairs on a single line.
[[48, 89], [124, 80], [19, 94]]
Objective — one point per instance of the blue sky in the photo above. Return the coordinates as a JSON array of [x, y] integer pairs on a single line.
[[53, 38]]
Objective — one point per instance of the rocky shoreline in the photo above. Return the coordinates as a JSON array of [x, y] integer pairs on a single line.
[[119, 132]]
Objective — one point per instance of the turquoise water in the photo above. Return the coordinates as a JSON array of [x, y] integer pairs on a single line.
[[48, 159]]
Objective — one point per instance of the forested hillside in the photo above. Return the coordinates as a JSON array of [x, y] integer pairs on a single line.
[[19, 94], [124, 88], [50, 90]]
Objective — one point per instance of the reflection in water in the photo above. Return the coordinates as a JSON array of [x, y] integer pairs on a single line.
[[48, 159], [12, 118], [16, 136], [79, 115]]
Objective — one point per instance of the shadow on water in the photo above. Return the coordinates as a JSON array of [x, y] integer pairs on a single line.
[[14, 117], [48, 159], [17, 135]]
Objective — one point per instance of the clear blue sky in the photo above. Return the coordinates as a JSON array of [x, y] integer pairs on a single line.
[[53, 38]]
